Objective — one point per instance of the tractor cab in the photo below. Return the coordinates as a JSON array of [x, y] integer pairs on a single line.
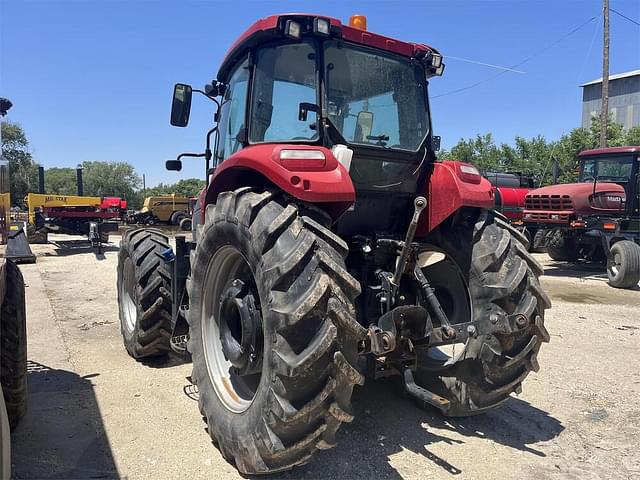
[[618, 165], [311, 81]]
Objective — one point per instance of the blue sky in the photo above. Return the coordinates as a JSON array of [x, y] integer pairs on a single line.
[[92, 80]]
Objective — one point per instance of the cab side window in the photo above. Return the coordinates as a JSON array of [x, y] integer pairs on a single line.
[[232, 113]]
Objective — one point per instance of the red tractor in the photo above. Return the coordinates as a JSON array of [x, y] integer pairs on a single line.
[[329, 246], [597, 218]]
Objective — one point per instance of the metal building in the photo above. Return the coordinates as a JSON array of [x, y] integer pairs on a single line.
[[624, 99]]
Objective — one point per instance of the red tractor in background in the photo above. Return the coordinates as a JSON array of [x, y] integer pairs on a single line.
[[330, 246], [597, 218], [509, 191]]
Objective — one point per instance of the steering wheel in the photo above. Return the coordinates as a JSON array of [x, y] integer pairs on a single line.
[[589, 179]]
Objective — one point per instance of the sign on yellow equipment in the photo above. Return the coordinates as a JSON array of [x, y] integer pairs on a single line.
[[39, 200]]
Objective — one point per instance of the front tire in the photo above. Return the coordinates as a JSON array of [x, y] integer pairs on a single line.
[[144, 293], [502, 278], [13, 333], [623, 265], [305, 332], [561, 247]]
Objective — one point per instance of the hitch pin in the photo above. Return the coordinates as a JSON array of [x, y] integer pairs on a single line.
[[419, 204]]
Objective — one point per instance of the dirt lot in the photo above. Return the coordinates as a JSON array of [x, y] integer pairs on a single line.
[[96, 413]]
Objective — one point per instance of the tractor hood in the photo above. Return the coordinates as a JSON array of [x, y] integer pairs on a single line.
[[570, 200]]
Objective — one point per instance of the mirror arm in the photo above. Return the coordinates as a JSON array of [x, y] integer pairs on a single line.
[[207, 96], [190, 155]]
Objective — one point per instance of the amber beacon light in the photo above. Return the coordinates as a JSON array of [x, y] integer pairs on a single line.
[[358, 21]]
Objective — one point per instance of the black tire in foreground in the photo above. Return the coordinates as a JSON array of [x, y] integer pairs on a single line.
[[144, 293], [265, 271], [623, 266], [13, 351], [502, 278], [5, 442], [560, 247]]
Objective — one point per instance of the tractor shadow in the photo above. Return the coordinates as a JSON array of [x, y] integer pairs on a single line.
[[65, 248], [387, 423], [62, 434]]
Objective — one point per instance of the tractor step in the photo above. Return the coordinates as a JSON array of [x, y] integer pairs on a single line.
[[423, 394]]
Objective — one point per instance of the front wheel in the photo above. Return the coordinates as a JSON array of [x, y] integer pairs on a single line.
[[144, 293], [496, 277], [273, 331], [623, 264]]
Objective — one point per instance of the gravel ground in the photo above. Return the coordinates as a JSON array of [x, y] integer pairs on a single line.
[[96, 413]]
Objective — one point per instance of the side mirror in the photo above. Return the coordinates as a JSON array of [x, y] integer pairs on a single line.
[[175, 165], [181, 105], [364, 126]]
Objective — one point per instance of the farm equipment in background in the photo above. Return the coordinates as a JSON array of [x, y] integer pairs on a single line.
[[93, 217], [162, 209], [509, 191], [13, 331], [328, 246], [597, 218]]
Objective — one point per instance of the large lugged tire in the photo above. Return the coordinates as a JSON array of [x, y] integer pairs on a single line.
[[561, 248], [144, 293], [623, 266], [293, 269], [13, 351], [502, 278]]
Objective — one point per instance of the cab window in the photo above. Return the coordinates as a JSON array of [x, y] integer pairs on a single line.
[[231, 126], [285, 78]]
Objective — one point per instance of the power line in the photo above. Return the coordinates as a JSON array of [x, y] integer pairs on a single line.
[[624, 16], [593, 41], [475, 62], [531, 57]]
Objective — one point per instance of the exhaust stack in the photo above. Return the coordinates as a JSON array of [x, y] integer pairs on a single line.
[[79, 181], [41, 189]]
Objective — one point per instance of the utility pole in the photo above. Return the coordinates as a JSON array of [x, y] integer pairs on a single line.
[[144, 185], [604, 113]]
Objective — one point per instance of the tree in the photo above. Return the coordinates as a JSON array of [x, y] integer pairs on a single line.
[[107, 179], [189, 187], [536, 156], [23, 172], [61, 181]]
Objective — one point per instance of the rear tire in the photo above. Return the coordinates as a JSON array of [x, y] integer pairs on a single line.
[[295, 268], [144, 293], [502, 278], [623, 268], [561, 248], [13, 352]]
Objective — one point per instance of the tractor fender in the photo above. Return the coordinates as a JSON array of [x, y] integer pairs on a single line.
[[323, 182], [453, 185]]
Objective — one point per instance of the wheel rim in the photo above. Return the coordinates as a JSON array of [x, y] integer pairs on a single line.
[[128, 295], [232, 329], [452, 291], [614, 265]]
